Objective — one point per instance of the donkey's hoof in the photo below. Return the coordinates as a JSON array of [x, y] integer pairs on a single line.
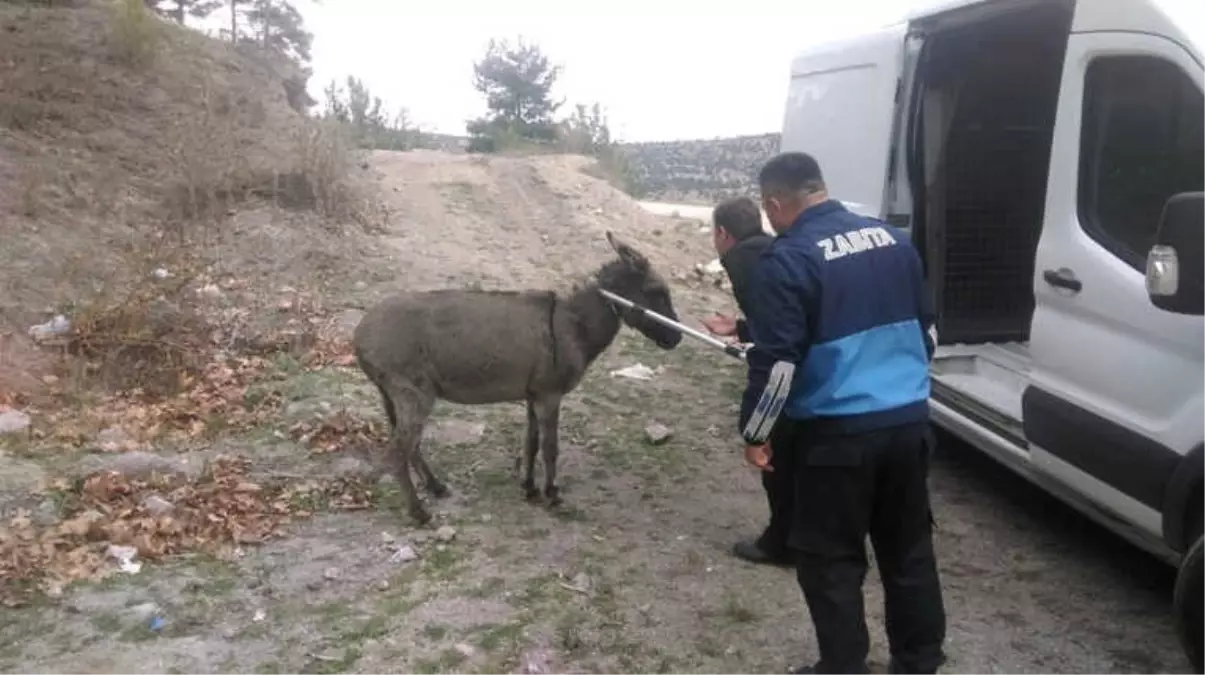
[[531, 493], [420, 516], [553, 494], [438, 490]]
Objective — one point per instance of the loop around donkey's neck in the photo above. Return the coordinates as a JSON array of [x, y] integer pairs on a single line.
[[619, 310]]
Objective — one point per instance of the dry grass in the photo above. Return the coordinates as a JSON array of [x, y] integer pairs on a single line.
[[134, 33], [130, 145]]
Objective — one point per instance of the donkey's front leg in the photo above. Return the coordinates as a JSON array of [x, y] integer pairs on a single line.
[[529, 454], [548, 411]]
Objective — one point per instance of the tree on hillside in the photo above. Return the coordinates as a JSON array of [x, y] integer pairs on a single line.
[[586, 131], [277, 26], [178, 9], [517, 82], [364, 114]]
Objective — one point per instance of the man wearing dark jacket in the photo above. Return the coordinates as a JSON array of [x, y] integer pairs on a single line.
[[842, 331], [740, 240]]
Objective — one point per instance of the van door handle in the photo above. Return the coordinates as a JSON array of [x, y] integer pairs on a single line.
[[1063, 278]]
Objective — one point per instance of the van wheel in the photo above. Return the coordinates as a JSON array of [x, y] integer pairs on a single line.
[[1188, 602]]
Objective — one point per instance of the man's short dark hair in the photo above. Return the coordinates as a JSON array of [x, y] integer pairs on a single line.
[[791, 173], [739, 217]]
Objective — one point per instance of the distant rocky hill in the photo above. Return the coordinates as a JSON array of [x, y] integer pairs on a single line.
[[428, 140], [700, 171], [685, 172]]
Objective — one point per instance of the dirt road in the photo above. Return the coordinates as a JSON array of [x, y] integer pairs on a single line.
[[633, 573]]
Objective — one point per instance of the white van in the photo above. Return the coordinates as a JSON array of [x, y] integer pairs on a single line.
[[1047, 157]]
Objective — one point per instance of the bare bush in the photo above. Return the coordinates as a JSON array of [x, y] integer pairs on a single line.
[[141, 327], [134, 33]]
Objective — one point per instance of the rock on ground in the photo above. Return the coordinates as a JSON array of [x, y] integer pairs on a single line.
[[13, 421], [657, 433], [135, 464]]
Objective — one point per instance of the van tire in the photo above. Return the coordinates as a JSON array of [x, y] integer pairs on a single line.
[[1188, 602]]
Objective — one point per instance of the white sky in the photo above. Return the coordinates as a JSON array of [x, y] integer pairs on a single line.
[[681, 72]]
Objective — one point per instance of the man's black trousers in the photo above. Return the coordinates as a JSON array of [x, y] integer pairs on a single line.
[[848, 487], [780, 493]]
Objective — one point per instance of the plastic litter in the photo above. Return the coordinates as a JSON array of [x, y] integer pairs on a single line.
[[124, 555], [638, 371], [59, 325]]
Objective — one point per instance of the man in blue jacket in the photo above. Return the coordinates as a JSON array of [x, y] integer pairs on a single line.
[[842, 329]]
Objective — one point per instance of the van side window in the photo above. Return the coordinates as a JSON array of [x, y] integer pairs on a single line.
[[1141, 142]]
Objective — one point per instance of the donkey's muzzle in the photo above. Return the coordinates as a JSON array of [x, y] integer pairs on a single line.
[[669, 340]]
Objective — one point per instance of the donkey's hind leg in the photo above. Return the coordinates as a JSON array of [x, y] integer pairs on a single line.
[[431, 482], [389, 413], [529, 453], [411, 405]]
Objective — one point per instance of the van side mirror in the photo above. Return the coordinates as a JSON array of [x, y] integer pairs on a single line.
[[1175, 266]]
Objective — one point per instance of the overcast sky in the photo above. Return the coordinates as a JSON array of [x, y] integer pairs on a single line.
[[685, 71]]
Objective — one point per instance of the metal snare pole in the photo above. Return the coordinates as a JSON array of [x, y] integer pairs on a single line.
[[731, 350]]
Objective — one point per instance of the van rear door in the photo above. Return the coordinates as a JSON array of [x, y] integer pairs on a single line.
[[841, 108]]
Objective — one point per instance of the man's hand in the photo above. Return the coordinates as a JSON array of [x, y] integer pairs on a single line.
[[759, 456], [720, 324]]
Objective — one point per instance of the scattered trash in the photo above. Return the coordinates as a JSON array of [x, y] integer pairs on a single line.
[[209, 291], [124, 555], [709, 269], [403, 554], [445, 533], [657, 433], [59, 325], [161, 273], [638, 371], [260, 615], [158, 623], [13, 421], [157, 506], [581, 584], [486, 517], [465, 650]]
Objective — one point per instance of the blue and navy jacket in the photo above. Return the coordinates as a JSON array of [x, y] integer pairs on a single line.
[[843, 298]]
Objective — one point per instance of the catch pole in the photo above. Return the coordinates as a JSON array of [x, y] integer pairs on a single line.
[[731, 350]]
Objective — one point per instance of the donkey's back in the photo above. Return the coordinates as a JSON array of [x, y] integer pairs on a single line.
[[460, 345]]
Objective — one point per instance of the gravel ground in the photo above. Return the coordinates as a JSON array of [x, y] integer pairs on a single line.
[[633, 573]]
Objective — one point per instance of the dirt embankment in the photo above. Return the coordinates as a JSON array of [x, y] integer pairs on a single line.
[[252, 539], [132, 150]]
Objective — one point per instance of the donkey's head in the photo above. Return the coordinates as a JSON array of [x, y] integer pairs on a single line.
[[635, 279]]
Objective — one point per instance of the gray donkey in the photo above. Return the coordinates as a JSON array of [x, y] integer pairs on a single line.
[[476, 347]]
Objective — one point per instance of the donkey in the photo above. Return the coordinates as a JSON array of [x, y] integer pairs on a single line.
[[475, 347]]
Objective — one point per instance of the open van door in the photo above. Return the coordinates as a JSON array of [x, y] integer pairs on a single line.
[[841, 109]]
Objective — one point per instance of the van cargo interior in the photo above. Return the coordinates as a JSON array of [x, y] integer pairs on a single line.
[[989, 89]]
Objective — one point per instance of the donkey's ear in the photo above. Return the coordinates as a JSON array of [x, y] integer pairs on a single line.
[[626, 253]]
